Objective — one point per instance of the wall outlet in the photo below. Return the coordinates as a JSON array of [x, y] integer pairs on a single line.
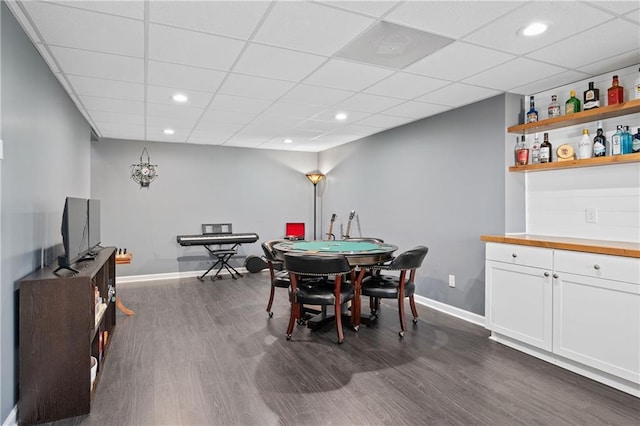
[[452, 280], [592, 215]]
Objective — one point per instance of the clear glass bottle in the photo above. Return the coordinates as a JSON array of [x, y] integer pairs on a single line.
[[535, 150], [627, 141], [572, 105], [553, 110], [532, 114], [616, 141], [546, 150], [522, 152], [599, 143], [585, 146], [591, 97], [615, 93]]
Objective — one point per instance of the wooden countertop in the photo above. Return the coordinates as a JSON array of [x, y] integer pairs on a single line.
[[615, 248]]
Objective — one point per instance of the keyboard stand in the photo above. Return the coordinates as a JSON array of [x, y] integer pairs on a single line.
[[223, 256]]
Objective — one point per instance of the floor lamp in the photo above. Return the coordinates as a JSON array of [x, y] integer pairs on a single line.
[[314, 178]]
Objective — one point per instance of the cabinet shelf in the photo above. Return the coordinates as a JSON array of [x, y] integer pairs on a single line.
[[571, 164], [602, 113]]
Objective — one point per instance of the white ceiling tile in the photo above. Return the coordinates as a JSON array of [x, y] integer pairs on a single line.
[[116, 118], [634, 16], [562, 79], [213, 116], [99, 65], [406, 86], [620, 7], [414, 110], [219, 130], [156, 134], [179, 125], [310, 27], [47, 57], [347, 75], [458, 60], [287, 109], [609, 39], [277, 63], [315, 95], [230, 18], [127, 8], [81, 29], [514, 73], [183, 76], [270, 123], [107, 88], [121, 131], [375, 9], [174, 112], [202, 137], [449, 18], [613, 63], [329, 115], [239, 103], [503, 34], [93, 103], [384, 121], [458, 94], [255, 87], [192, 48], [163, 95], [368, 103], [243, 142]]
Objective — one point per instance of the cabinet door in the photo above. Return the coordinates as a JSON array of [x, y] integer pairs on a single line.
[[597, 323], [519, 303]]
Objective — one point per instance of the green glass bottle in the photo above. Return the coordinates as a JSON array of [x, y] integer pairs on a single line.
[[572, 105]]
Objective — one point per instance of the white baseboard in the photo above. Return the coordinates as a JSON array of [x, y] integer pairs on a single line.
[[450, 310], [171, 275], [12, 418]]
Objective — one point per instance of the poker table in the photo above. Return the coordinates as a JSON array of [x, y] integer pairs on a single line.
[[358, 253]]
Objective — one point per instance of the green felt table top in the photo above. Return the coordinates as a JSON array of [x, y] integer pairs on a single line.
[[341, 247]]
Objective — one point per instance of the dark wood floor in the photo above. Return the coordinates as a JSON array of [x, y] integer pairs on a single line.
[[207, 354]]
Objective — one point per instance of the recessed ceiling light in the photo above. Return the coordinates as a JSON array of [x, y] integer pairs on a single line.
[[341, 116], [179, 97], [534, 29], [288, 140], [168, 131]]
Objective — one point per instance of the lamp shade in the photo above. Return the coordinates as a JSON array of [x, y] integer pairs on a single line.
[[315, 177]]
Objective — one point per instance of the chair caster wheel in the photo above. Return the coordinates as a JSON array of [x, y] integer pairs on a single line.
[[415, 320], [401, 333], [270, 314], [288, 337], [356, 328]]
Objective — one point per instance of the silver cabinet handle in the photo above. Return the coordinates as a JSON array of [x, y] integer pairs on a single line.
[[514, 255], [555, 275], [546, 274], [596, 267]]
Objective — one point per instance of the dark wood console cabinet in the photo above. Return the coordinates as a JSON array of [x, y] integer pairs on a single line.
[[60, 329]]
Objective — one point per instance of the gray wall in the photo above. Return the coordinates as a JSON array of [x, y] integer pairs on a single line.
[[46, 158], [254, 190], [439, 182]]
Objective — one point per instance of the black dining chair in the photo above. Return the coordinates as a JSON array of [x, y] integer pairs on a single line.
[[397, 285], [333, 289], [279, 277]]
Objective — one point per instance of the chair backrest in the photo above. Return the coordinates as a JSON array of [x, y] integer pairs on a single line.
[[294, 231], [269, 253], [315, 264], [410, 259]]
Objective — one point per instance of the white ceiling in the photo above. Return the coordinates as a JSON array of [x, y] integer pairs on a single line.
[[259, 72]]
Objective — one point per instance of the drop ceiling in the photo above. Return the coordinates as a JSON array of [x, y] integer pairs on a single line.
[[259, 72]]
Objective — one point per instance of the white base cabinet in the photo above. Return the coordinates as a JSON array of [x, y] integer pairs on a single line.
[[578, 310]]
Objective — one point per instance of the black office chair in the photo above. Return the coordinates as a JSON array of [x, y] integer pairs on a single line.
[[335, 291], [279, 277], [387, 286]]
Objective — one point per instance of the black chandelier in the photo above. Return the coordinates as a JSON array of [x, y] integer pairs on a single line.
[[144, 173]]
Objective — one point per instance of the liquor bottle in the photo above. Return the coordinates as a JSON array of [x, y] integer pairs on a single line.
[[591, 97], [616, 141], [522, 153], [627, 141], [599, 144], [636, 86], [553, 110], [572, 105], [615, 93], [532, 114], [635, 145], [546, 155], [535, 150], [584, 146]]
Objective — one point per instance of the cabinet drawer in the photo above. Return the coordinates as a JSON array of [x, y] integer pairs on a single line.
[[618, 268], [520, 255]]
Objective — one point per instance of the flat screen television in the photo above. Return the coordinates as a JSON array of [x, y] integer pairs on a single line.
[[93, 211], [75, 232]]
